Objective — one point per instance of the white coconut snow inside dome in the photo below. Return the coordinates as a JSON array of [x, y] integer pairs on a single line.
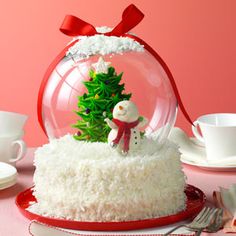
[[100, 44]]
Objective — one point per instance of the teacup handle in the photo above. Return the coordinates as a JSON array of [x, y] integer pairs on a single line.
[[196, 133], [21, 152]]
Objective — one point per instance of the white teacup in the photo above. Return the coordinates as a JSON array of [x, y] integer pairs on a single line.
[[218, 134], [12, 148], [11, 123]]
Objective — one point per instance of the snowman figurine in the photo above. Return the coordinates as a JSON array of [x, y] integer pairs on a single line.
[[125, 126]]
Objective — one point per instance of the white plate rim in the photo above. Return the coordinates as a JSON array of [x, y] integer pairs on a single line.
[[208, 167], [10, 172], [8, 184]]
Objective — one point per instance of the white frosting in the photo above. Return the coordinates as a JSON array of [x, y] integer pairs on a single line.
[[103, 29], [100, 44], [92, 182]]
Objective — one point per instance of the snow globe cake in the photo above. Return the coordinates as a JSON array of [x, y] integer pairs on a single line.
[[107, 104]]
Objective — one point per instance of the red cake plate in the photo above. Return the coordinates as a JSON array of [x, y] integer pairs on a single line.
[[195, 202]]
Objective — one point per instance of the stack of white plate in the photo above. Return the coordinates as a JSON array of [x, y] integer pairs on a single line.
[[8, 175]]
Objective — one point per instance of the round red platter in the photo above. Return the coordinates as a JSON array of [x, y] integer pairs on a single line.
[[195, 202]]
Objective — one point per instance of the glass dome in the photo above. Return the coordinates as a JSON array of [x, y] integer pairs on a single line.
[[143, 76]]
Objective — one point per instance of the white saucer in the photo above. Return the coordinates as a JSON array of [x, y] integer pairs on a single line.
[[186, 160], [8, 184], [194, 154], [8, 175]]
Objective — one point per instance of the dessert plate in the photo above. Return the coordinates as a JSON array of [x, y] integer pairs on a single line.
[[194, 154], [8, 184], [185, 159], [8, 175], [195, 202]]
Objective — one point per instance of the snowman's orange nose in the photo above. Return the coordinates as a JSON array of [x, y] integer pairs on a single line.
[[121, 108]]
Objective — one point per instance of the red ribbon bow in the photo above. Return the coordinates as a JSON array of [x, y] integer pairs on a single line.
[[73, 26]]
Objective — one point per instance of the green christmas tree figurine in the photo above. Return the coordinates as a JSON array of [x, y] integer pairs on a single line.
[[104, 92]]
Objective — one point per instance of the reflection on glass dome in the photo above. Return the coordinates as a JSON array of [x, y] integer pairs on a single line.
[[143, 76]]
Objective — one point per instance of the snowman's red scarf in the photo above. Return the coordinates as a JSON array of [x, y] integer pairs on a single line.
[[124, 128]]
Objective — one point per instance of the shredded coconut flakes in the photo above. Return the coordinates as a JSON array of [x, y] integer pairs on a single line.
[[103, 45], [92, 182]]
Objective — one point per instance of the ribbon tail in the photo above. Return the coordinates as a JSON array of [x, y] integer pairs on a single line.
[[74, 26], [126, 140], [119, 135], [130, 18], [170, 76]]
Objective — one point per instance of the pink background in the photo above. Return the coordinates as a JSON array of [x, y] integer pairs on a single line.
[[196, 38]]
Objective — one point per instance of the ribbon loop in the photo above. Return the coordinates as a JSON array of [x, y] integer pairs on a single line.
[[130, 18], [74, 26]]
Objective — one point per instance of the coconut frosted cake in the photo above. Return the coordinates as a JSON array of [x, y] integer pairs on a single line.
[[93, 182]]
